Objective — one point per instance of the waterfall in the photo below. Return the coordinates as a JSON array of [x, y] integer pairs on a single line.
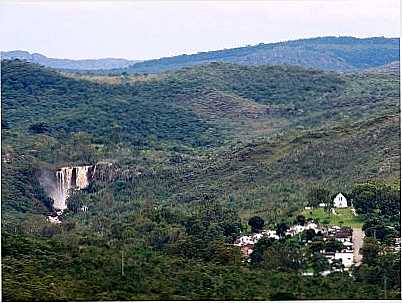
[[69, 178], [59, 184], [82, 177]]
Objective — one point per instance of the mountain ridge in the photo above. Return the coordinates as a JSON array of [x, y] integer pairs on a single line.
[[330, 53], [327, 53], [71, 64]]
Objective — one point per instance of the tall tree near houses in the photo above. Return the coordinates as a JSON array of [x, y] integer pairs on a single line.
[[317, 195], [256, 223]]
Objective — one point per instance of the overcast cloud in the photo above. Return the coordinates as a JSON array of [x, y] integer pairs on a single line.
[[145, 30]]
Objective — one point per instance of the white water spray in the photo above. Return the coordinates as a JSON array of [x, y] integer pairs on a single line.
[[69, 178]]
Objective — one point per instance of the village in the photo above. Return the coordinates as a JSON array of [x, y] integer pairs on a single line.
[[350, 240]]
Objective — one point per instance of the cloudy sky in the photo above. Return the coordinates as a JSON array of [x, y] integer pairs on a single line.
[[153, 29]]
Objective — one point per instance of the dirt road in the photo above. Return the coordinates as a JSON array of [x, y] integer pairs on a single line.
[[357, 238]]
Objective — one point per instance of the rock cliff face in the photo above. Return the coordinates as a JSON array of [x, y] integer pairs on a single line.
[[105, 172], [108, 172]]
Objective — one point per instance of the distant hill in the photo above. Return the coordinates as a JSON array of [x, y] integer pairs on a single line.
[[326, 53], [85, 64]]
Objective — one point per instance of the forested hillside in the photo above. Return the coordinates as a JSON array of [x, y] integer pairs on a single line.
[[327, 53], [192, 155]]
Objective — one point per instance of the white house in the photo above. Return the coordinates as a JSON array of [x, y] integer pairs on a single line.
[[340, 201], [346, 257], [244, 240]]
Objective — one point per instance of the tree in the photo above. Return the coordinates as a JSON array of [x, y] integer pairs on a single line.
[[370, 250], [309, 234], [369, 198], [318, 195], [375, 228], [225, 254], [259, 248], [256, 223], [329, 205], [337, 265], [74, 202], [316, 246], [283, 256], [364, 197], [281, 229], [333, 246], [39, 128], [301, 220], [319, 263]]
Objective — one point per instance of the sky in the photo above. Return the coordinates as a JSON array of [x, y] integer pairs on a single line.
[[153, 29]]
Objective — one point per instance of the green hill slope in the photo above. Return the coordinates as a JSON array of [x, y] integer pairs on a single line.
[[206, 112]]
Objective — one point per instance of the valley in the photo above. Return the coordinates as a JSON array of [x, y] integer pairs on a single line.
[[170, 167]]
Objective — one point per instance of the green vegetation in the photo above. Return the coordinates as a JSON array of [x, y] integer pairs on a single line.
[[343, 217], [194, 155]]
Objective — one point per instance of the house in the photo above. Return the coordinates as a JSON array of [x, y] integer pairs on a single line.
[[340, 201], [345, 257], [244, 240], [270, 234], [344, 234], [347, 247]]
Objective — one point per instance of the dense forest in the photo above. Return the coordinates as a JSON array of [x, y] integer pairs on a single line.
[[194, 154]]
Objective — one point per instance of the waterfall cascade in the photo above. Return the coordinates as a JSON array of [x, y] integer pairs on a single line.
[[58, 185], [70, 178]]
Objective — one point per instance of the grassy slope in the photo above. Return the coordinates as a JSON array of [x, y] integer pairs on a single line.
[[343, 217]]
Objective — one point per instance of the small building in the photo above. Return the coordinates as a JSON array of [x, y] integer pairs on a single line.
[[345, 257], [347, 246], [344, 235], [244, 240], [340, 201], [344, 232], [270, 234]]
